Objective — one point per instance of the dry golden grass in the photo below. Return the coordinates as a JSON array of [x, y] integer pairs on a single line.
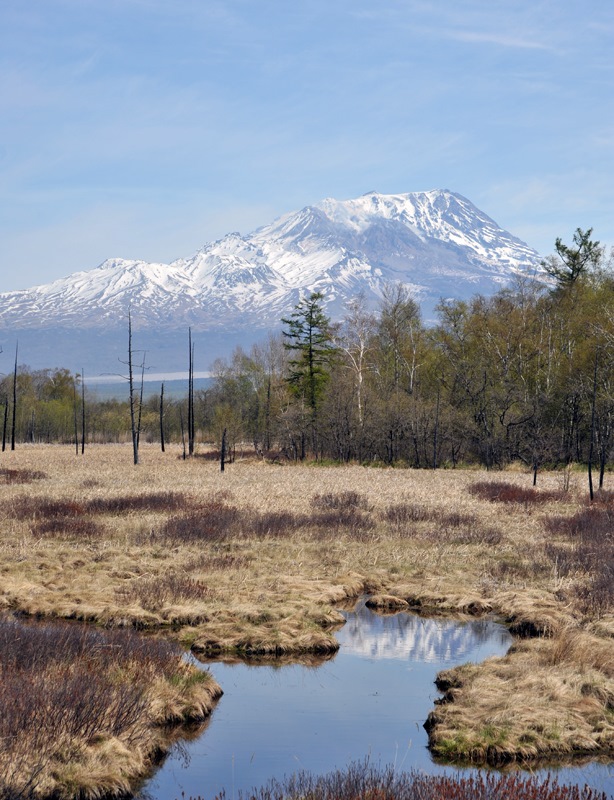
[[547, 697], [284, 544]]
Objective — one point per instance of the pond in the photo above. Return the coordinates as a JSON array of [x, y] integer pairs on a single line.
[[369, 701]]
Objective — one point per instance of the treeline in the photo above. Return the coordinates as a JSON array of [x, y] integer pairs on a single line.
[[526, 375]]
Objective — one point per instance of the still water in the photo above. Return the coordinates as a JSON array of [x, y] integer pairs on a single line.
[[370, 700]]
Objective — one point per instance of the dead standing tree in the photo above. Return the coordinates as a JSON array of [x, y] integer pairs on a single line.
[[14, 418], [82, 411], [190, 394], [162, 417], [79, 379], [135, 403]]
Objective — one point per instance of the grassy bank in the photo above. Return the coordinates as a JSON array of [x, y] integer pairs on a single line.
[[86, 712], [254, 560]]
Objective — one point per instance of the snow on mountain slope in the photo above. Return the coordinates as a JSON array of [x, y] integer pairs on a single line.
[[440, 215], [437, 242]]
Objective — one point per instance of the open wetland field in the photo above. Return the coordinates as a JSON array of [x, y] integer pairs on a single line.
[[257, 563]]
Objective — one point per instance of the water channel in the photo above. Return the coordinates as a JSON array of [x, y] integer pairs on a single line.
[[370, 700]]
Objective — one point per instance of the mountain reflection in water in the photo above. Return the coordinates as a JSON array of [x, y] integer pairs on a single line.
[[412, 638], [369, 701]]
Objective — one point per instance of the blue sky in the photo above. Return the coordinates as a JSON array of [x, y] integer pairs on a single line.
[[145, 128]]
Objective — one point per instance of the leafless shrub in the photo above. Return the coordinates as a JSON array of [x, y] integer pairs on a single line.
[[405, 513], [340, 501], [215, 521], [41, 507], [597, 597], [207, 455], [160, 501], [342, 520], [591, 551], [472, 534], [503, 492], [604, 497], [21, 475], [594, 524], [272, 523], [64, 683], [36, 646], [155, 592], [455, 519], [514, 567], [67, 528], [363, 781], [215, 561]]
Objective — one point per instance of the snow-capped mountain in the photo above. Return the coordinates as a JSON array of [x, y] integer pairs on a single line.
[[437, 243]]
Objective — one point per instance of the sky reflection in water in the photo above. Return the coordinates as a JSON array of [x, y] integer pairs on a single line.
[[371, 701]]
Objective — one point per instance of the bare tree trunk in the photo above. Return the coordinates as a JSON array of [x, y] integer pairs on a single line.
[[602, 463], [162, 416], [82, 411], [190, 395], [267, 416], [14, 419], [182, 432], [138, 425], [5, 423], [590, 449], [223, 452], [135, 439], [436, 431], [74, 406]]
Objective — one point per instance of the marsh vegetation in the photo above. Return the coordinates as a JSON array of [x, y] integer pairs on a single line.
[[255, 561], [361, 781]]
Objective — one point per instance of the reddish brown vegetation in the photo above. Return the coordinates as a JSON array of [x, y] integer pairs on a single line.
[[503, 492], [21, 475], [61, 684], [340, 500], [363, 782], [591, 550], [154, 593]]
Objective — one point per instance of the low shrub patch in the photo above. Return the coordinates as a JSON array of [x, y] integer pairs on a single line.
[[365, 782], [65, 686], [21, 475], [405, 513], [67, 528], [340, 501], [23, 508], [153, 593], [214, 521], [161, 501], [591, 551], [503, 492]]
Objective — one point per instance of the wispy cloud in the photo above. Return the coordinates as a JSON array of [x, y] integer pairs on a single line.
[[496, 38]]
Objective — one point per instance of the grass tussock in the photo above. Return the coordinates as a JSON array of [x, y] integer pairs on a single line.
[[72, 695], [562, 703], [362, 781]]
